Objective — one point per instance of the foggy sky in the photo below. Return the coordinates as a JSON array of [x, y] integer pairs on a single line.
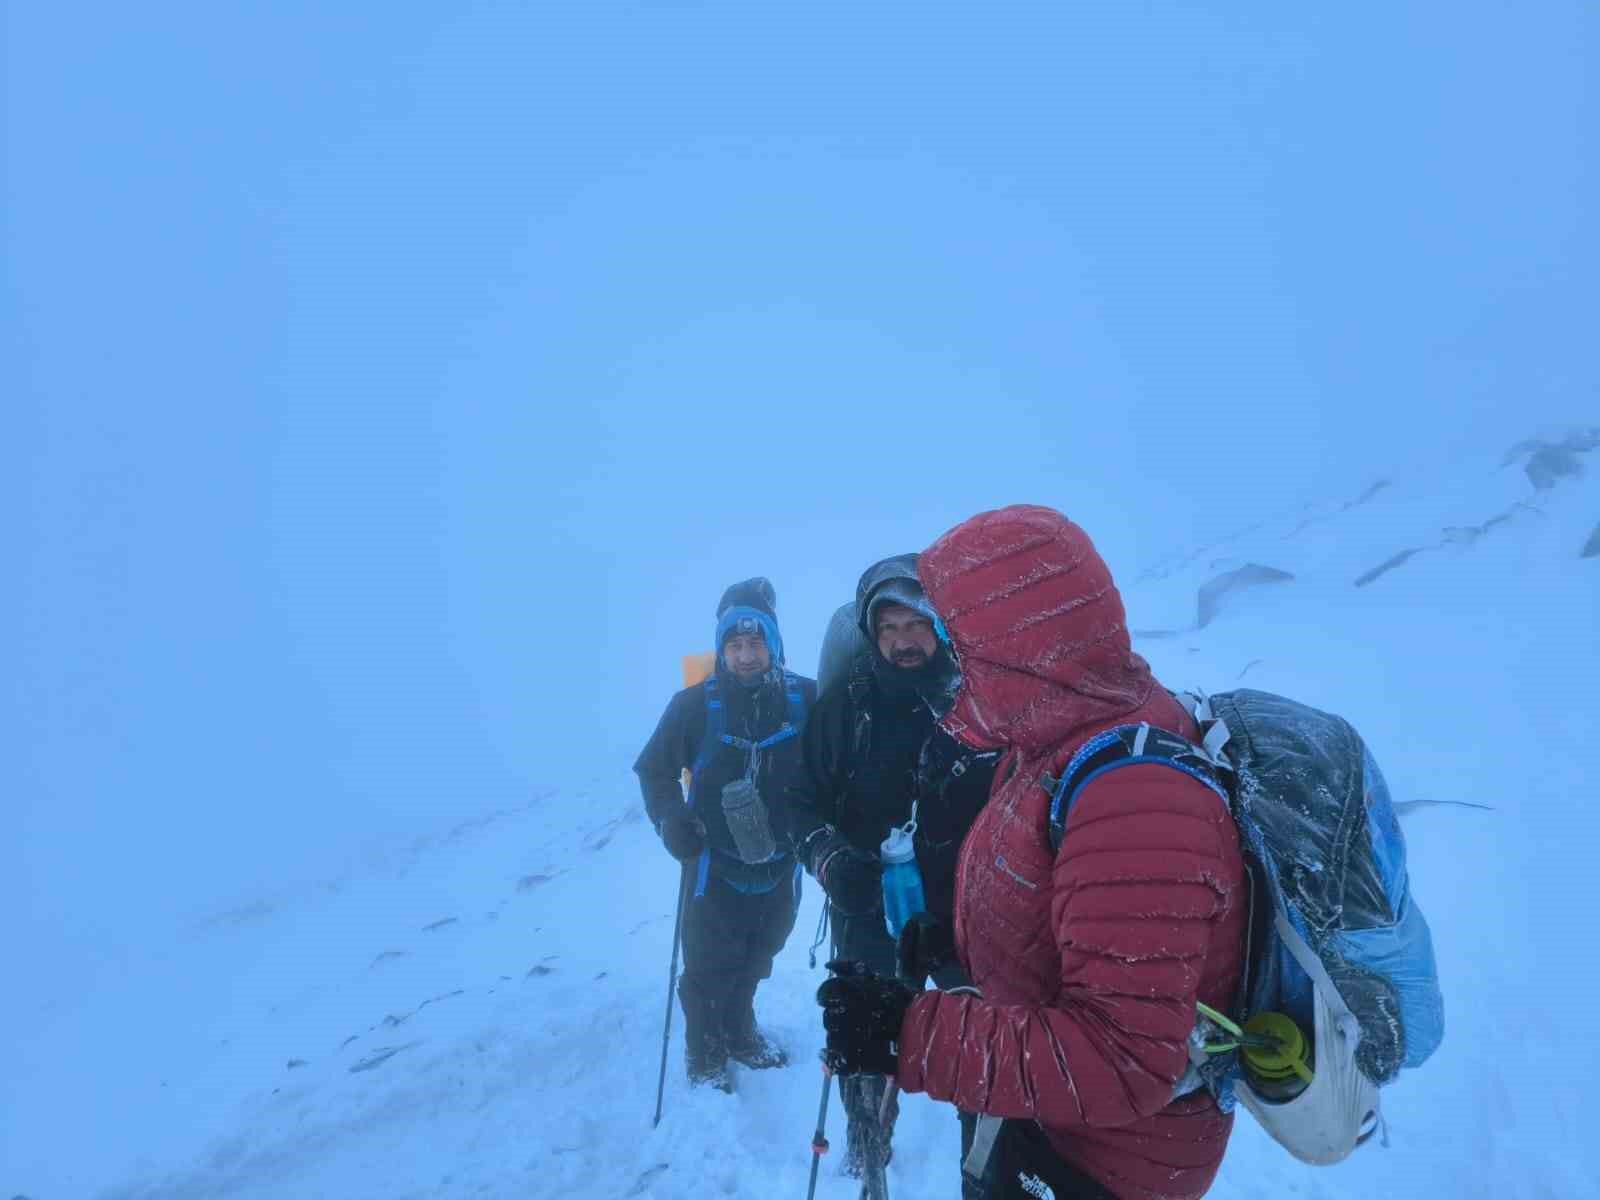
[[390, 393]]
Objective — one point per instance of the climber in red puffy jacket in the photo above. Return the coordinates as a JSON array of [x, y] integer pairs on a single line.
[[1091, 960]]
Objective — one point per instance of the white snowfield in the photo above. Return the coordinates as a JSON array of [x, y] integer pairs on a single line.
[[479, 1014]]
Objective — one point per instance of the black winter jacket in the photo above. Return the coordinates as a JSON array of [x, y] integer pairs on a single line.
[[751, 714], [861, 779]]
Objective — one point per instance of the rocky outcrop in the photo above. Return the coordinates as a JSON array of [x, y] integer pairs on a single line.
[[1248, 576], [1548, 463]]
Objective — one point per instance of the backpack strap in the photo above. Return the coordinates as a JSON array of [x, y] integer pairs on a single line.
[[860, 687], [717, 736], [1214, 733], [796, 697], [716, 731], [795, 713], [1126, 746]]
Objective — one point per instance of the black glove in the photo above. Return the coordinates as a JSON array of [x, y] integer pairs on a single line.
[[862, 1014], [926, 945], [683, 834], [853, 880]]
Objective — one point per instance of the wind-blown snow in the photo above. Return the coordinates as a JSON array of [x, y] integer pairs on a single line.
[[479, 1014]]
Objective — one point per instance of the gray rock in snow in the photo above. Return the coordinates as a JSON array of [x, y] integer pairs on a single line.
[[1371, 491], [1548, 465], [1386, 566], [1247, 576], [378, 1057], [642, 1184]]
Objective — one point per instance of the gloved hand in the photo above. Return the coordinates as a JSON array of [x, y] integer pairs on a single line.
[[926, 945], [853, 880], [683, 834], [862, 1014]]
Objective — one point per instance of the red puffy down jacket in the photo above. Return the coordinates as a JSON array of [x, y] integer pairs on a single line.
[[1090, 960]]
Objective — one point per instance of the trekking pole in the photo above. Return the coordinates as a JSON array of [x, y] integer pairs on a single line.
[[819, 1140], [672, 986], [889, 1103]]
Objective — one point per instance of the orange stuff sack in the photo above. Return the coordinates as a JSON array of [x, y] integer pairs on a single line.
[[696, 667]]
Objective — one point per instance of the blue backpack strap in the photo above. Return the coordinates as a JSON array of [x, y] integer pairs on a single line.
[[1126, 746], [716, 732], [795, 712], [717, 736], [716, 724]]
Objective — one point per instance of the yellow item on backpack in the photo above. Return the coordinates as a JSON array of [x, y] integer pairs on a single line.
[[696, 669]]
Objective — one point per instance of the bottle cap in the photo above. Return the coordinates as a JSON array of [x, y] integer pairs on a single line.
[[897, 847], [1287, 1057]]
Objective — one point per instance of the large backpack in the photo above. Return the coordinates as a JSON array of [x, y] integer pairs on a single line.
[[846, 661], [1336, 942]]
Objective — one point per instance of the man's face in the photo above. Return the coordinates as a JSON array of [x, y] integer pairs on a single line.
[[905, 636], [746, 655]]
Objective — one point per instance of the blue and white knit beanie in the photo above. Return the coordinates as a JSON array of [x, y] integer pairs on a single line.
[[747, 607]]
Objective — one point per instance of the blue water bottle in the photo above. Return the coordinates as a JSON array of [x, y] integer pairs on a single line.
[[902, 880]]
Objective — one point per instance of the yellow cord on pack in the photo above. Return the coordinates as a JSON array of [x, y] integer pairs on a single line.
[[1287, 1054], [1222, 1022]]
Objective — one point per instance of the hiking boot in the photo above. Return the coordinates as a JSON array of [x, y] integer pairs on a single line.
[[706, 1061], [757, 1051], [713, 1075], [705, 1046], [747, 1045]]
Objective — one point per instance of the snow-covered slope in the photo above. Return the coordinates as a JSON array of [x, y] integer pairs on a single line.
[[479, 1014]]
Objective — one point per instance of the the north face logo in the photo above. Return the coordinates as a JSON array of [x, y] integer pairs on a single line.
[[1035, 1186]]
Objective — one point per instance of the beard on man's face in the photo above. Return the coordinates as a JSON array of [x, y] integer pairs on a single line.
[[909, 656]]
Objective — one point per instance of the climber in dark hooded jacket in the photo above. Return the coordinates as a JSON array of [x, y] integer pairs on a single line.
[[740, 727], [874, 759]]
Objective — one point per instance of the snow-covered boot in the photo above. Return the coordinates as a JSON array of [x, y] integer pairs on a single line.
[[747, 1044], [707, 1065], [757, 1051], [705, 1047]]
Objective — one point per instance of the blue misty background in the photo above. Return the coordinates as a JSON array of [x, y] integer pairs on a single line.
[[389, 391]]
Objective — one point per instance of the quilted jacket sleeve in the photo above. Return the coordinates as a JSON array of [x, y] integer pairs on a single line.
[[669, 752], [1143, 910]]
